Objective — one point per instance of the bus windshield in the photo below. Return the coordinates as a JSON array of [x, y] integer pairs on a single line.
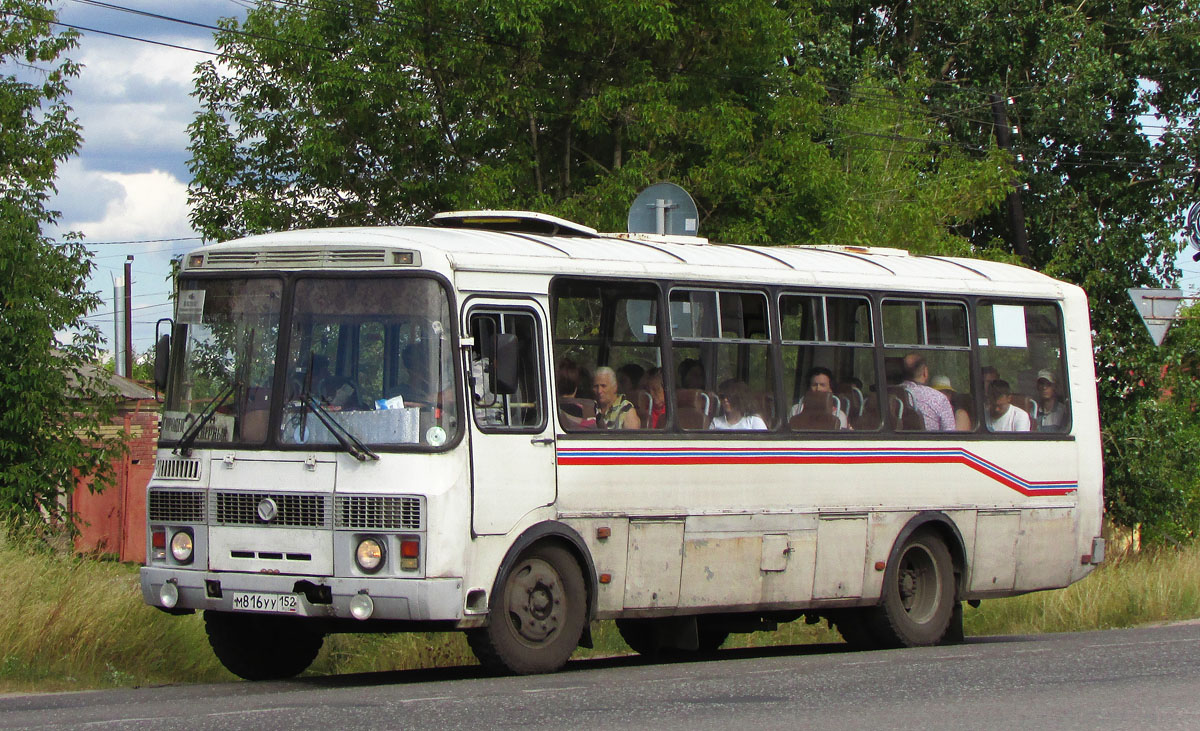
[[228, 334], [375, 356], [371, 354]]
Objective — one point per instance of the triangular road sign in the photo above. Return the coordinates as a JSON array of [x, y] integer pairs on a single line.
[[1157, 308]]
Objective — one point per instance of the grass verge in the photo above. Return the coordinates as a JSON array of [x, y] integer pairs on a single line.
[[70, 623]]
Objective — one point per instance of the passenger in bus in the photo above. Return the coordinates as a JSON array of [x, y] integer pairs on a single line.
[[652, 385], [989, 374], [334, 392], [736, 411], [691, 374], [820, 380], [959, 402], [566, 378], [574, 412], [1053, 414], [1002, 415], [419, 386], [932, 404], [628, 378], [613, 411]]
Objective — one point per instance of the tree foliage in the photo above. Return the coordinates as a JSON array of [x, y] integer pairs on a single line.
[[349, 113], [789, 121], [51, 403]]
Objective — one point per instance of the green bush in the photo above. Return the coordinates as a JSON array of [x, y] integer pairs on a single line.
[[1152, 470]]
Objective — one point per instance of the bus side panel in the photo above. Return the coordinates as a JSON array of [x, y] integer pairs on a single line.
[[607, 540], [1044, 533], [655, 563], [731, 560], [841, 554], [992, 568]]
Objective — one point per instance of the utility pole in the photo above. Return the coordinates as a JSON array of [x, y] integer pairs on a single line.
[[1016, 212], [129, 316]]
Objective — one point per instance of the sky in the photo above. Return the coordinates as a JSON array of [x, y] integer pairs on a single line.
[[129, 181]]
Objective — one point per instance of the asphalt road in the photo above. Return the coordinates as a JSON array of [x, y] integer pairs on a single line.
[[1141, 678]]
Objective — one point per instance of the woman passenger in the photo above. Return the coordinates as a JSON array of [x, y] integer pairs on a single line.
[[652, 382], [736, 412]]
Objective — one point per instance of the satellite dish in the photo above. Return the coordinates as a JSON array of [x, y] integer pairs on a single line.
[[1192, 228], [664, 209]]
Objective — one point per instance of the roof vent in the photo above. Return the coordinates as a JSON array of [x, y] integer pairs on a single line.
[[518, 222]]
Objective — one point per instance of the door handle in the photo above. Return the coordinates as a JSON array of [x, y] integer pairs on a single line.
[[542, 440]]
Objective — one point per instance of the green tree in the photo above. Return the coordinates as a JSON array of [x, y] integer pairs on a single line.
[[52, 403], [1103, 96], [343, 113]]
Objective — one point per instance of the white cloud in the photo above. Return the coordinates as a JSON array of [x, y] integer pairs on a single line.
[[152, 205]]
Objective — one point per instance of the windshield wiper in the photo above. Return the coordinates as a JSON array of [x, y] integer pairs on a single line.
[[184, 447], [345, 437]]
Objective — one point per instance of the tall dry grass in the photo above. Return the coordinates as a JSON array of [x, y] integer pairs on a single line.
[[71, 622], [75, 623]]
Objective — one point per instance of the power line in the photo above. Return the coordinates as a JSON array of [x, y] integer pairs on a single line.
[[85, 242]]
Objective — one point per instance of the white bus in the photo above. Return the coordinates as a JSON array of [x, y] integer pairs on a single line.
[[511, 425]]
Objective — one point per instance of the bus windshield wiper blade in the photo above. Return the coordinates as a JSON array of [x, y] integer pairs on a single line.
[[184, 447], [345, 437]]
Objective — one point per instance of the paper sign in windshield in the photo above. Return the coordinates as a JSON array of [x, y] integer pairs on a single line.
[[190, 307]]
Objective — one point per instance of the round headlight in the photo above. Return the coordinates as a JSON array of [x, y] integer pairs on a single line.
[[181, 546], [369, 555]]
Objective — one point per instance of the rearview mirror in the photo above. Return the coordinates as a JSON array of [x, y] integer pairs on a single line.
[[162, 359]]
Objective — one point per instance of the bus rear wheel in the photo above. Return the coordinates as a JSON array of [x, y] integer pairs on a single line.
[[538, 616], [262, 647], [918, 595]]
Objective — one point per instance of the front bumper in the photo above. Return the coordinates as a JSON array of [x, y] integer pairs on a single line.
[[399, 599]]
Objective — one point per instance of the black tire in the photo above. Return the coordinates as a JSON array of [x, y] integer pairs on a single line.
[[262, 647], [918, 595], [537, 616]]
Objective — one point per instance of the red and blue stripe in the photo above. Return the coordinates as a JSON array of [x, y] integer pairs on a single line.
[[661, 456]]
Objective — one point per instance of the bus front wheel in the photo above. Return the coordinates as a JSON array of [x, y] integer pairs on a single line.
[[918, 595], [262, 647], [538, 616]]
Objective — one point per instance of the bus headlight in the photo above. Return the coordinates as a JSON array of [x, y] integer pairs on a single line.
[[369, 555], [182, 546]]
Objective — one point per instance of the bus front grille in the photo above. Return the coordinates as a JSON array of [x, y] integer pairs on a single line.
[[286, 510], [362, 512], [175, 506]]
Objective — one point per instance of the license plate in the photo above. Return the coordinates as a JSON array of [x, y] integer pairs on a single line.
[[254, 602]]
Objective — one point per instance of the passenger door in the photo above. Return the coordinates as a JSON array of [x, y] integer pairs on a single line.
[[512, 436]]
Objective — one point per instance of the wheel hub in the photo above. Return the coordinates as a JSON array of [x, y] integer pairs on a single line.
[[534, 601]]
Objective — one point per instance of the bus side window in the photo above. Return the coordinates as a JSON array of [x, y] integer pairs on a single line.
[[927, 354], [828, 363], [606, 324], [1021, 347], [517, 405]]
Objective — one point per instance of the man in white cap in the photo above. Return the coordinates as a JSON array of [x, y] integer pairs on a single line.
[[1052, 414]]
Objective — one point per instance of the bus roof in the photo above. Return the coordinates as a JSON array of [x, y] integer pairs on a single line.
[[619, 255]]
